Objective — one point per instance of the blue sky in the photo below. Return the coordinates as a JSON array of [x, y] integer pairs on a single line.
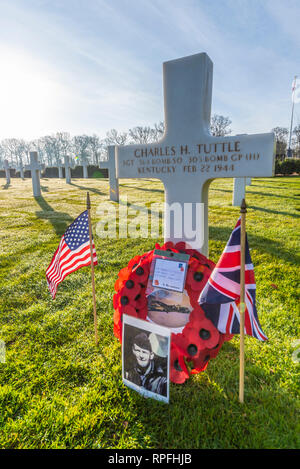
[[89, 66]]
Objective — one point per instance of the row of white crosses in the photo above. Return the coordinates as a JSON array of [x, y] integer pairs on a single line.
[[35, 168], [189, 158]]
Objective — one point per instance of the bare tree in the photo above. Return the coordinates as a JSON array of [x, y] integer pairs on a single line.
[[281, 135], [15, 149], [81, 146], [113, 137], [50, 149], [96, 148], [296, 140], [64, 143], [141, 134], [219, 126], [158, 130]]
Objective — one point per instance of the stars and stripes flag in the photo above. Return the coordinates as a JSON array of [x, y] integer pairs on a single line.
[[72, 253], [221, 295]]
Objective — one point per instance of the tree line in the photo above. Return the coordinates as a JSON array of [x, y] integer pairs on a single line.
[[93, 149]]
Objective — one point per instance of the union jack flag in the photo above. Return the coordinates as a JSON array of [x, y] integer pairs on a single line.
[[72, 253], [220, 297]]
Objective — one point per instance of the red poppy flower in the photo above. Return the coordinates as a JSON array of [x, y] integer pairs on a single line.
[[167, 245], [134, 262], [194, 297], [119, 284], [123, 302], [213, 352], [178, 370], [140, 273], [142, 313], [184, 346], [196, 279], [131, 289], [201, 332], [116, 300], [141, 302], [117, 331], [180, 246], [200, 363], [124, 273]]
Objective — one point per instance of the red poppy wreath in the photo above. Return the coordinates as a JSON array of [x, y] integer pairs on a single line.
[[199, 340]]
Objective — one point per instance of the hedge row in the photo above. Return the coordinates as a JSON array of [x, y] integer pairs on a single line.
[[52, 172], [287, 167]]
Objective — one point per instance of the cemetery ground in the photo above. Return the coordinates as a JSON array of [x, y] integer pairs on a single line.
[[58, 390]]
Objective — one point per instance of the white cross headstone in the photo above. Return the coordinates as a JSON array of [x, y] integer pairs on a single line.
[[7, 171], [35, 167], [60, 166], [188, 158], [20, 168], [239, 190], [110, 164], [68, 167], [85, 164]]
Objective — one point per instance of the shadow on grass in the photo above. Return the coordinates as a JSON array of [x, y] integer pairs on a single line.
[[58, 220], [87, 189], [161, 191], [276, 212], [263, 194], [204, 412], [261, 243]]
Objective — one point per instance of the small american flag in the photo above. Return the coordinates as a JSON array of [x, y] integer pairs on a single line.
[[221, 295], [72, 253]]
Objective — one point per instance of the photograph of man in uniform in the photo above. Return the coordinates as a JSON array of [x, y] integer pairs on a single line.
[[145, 360]]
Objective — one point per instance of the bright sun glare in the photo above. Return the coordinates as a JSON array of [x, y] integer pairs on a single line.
[[26, 94]]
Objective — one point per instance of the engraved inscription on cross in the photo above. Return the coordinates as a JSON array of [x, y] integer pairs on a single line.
[[188, 158]]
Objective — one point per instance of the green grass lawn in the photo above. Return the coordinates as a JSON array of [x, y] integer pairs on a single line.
[[58, 390]]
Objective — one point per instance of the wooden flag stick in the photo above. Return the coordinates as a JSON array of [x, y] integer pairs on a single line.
[[242, 301], [88, 205]]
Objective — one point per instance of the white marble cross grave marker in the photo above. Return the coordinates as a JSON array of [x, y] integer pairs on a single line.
[[35, 167], [188, 158], [68, 167], [60, 166], [85, 164], [7, 171], [20, 169], [239, 190], [110, 164]]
